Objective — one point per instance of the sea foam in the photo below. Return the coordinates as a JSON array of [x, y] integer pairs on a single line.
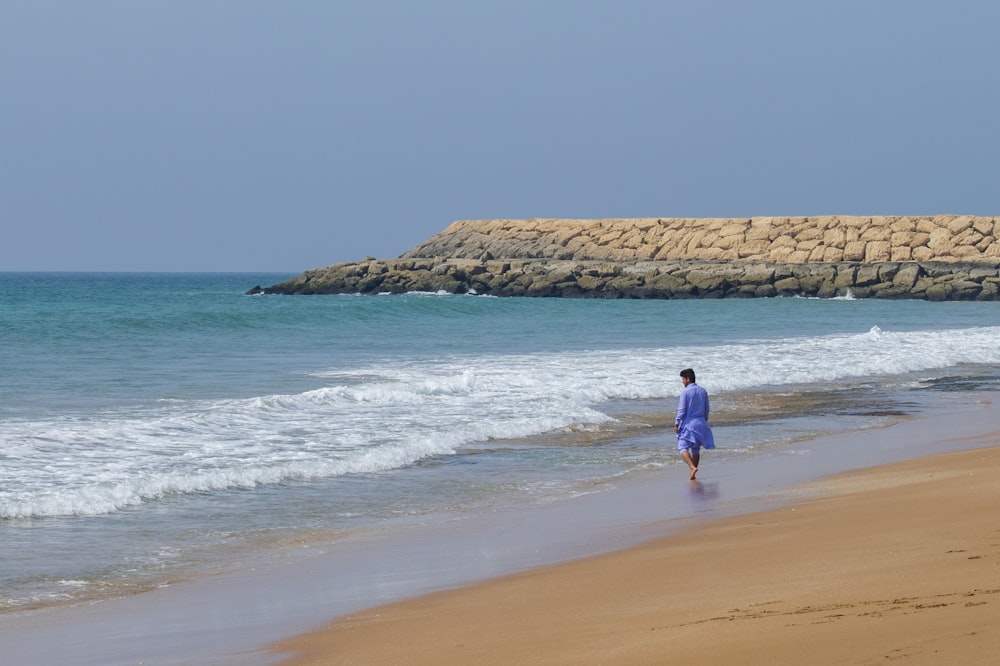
[[392, 414]]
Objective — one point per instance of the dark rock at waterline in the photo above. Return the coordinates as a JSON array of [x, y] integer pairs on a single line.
[[933, 281]]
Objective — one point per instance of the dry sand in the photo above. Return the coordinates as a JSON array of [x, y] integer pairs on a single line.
[[896, 563]]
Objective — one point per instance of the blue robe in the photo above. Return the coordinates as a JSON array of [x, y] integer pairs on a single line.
[[692, 415]]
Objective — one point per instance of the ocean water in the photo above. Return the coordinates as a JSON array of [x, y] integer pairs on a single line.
[[157, 427]]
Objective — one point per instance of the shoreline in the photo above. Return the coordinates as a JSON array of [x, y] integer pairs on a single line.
[[896, 561], [232, 618]]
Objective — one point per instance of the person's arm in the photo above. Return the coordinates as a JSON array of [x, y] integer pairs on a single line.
[[682, 409]]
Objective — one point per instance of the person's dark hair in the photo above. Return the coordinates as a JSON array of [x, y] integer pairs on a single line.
[[689, 373]]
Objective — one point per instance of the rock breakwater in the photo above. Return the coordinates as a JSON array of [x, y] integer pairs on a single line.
[[944, 257]]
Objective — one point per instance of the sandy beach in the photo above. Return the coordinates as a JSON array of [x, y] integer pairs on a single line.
[[893, 563]]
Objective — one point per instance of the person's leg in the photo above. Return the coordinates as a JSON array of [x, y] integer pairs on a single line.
[[691, 461]]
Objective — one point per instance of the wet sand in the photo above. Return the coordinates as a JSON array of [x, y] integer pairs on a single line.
[[898, 562]]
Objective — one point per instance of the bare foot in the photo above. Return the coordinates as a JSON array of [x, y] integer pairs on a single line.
[[694, 471]]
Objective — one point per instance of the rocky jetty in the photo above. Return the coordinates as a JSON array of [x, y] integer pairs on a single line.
[[943, 257]]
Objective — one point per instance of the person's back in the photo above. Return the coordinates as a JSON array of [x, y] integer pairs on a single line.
[[696, 404]]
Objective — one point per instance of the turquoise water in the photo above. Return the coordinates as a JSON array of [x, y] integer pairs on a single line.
[[158, 426]]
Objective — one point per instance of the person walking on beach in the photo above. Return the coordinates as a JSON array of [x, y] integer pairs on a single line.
[[691, 423]]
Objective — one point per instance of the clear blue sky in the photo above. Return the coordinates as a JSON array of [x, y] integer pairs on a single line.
[[242, 135]]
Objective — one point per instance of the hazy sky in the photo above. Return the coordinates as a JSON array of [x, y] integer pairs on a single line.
[[241, 135]]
